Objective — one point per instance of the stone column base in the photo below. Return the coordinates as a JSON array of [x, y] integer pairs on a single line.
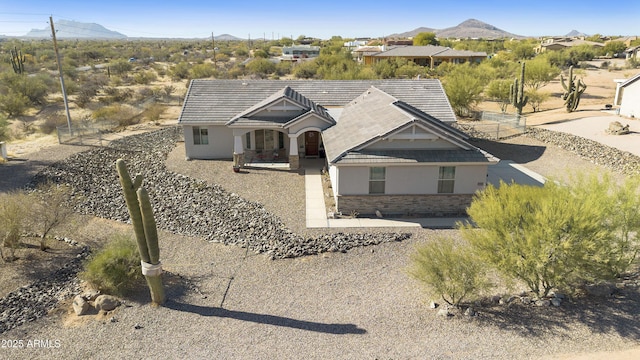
[[294, 161], [238, 159]]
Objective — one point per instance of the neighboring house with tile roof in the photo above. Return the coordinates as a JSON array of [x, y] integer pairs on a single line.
[[566, 43], [629, 93], [429, 55], [389, 144]]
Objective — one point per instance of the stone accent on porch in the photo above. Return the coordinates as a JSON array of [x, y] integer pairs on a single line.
[[238, 160], [420, 205], [294, 162]]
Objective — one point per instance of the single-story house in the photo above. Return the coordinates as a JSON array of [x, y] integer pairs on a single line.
[[300, 51], [556, 45], [629, 93], [389, 144], [429, 55]]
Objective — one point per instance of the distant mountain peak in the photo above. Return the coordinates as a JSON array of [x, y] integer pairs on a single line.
[[471, 28], [76, 30], [575, 33], [474, 23]]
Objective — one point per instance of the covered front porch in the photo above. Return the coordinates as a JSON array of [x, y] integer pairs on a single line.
[[275, 148]]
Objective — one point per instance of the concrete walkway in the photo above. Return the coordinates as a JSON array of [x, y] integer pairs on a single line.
[[316, 211]]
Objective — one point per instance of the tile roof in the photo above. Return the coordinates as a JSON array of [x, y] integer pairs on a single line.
[[428, 50], [215, 102], [247, 117], [376, 114]]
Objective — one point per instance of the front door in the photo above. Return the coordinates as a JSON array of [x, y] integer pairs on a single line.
[[311, 141]]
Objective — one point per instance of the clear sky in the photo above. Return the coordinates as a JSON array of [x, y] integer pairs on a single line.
[[322, 19]]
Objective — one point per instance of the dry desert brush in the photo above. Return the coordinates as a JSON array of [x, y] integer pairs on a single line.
[[449, 270]]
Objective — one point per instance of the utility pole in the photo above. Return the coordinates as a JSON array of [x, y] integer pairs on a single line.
[[213, 41], [64, 91]]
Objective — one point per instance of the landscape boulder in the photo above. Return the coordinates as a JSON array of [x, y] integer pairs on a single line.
[[616, 128], [80, 305], [106, 303]]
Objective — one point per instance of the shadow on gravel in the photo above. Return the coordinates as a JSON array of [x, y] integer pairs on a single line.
[[518, 153], [618, 314], [338, 329]]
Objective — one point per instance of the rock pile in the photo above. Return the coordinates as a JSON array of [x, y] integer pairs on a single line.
[[188, 206], [33, 301], [610, 157]]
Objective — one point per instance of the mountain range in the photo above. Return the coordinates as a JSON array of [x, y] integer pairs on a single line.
[[76, 30], [470, 28]]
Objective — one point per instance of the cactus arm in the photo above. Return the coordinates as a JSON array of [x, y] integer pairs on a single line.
[[134, 208], [149, 223], [518, 98]]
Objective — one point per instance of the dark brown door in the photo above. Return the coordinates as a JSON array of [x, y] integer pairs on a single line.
[[311, 141]]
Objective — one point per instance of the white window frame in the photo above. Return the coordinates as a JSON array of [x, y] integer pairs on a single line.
[[200, 135], [377, 179], [446, 179]]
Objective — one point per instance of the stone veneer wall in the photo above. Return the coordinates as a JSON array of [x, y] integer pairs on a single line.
[[436, 204], [294, 161]]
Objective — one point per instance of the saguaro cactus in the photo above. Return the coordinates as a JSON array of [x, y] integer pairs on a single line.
[[17, 61], [518, 98], [573, 90], [144, 226]]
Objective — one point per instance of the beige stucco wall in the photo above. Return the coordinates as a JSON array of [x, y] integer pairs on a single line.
[[405, 180], [220, 144], [630, 105]]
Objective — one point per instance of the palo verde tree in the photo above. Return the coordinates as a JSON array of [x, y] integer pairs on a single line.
[[425, 38], [556, 236], [499, 90]]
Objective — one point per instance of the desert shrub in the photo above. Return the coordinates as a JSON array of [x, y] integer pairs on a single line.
[[202, 71], [180, 71], [144, 77], [14, 104], [115, 269], [557, 236], [122, 114], [51, 122], [536, 98], [120, 67], [260, 66], [305, 70], [51, 206], [116, 95], [153, 111], [144, 93], [449, 270], [13, 216], [4, 128]]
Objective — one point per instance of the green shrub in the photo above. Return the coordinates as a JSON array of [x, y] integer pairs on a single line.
[[116, 268], [557, 236], [13, 222], [449, 270]]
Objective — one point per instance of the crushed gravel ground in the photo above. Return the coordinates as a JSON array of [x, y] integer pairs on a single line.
[[226, 302]]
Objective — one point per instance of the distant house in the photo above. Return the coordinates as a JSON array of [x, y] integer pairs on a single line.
[[429, 55], [632, 53], [629, 94], [555, 44], [388, 144], [296, 52]]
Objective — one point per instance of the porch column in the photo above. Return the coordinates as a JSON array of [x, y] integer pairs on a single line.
[[238, 151], [294, 158]]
